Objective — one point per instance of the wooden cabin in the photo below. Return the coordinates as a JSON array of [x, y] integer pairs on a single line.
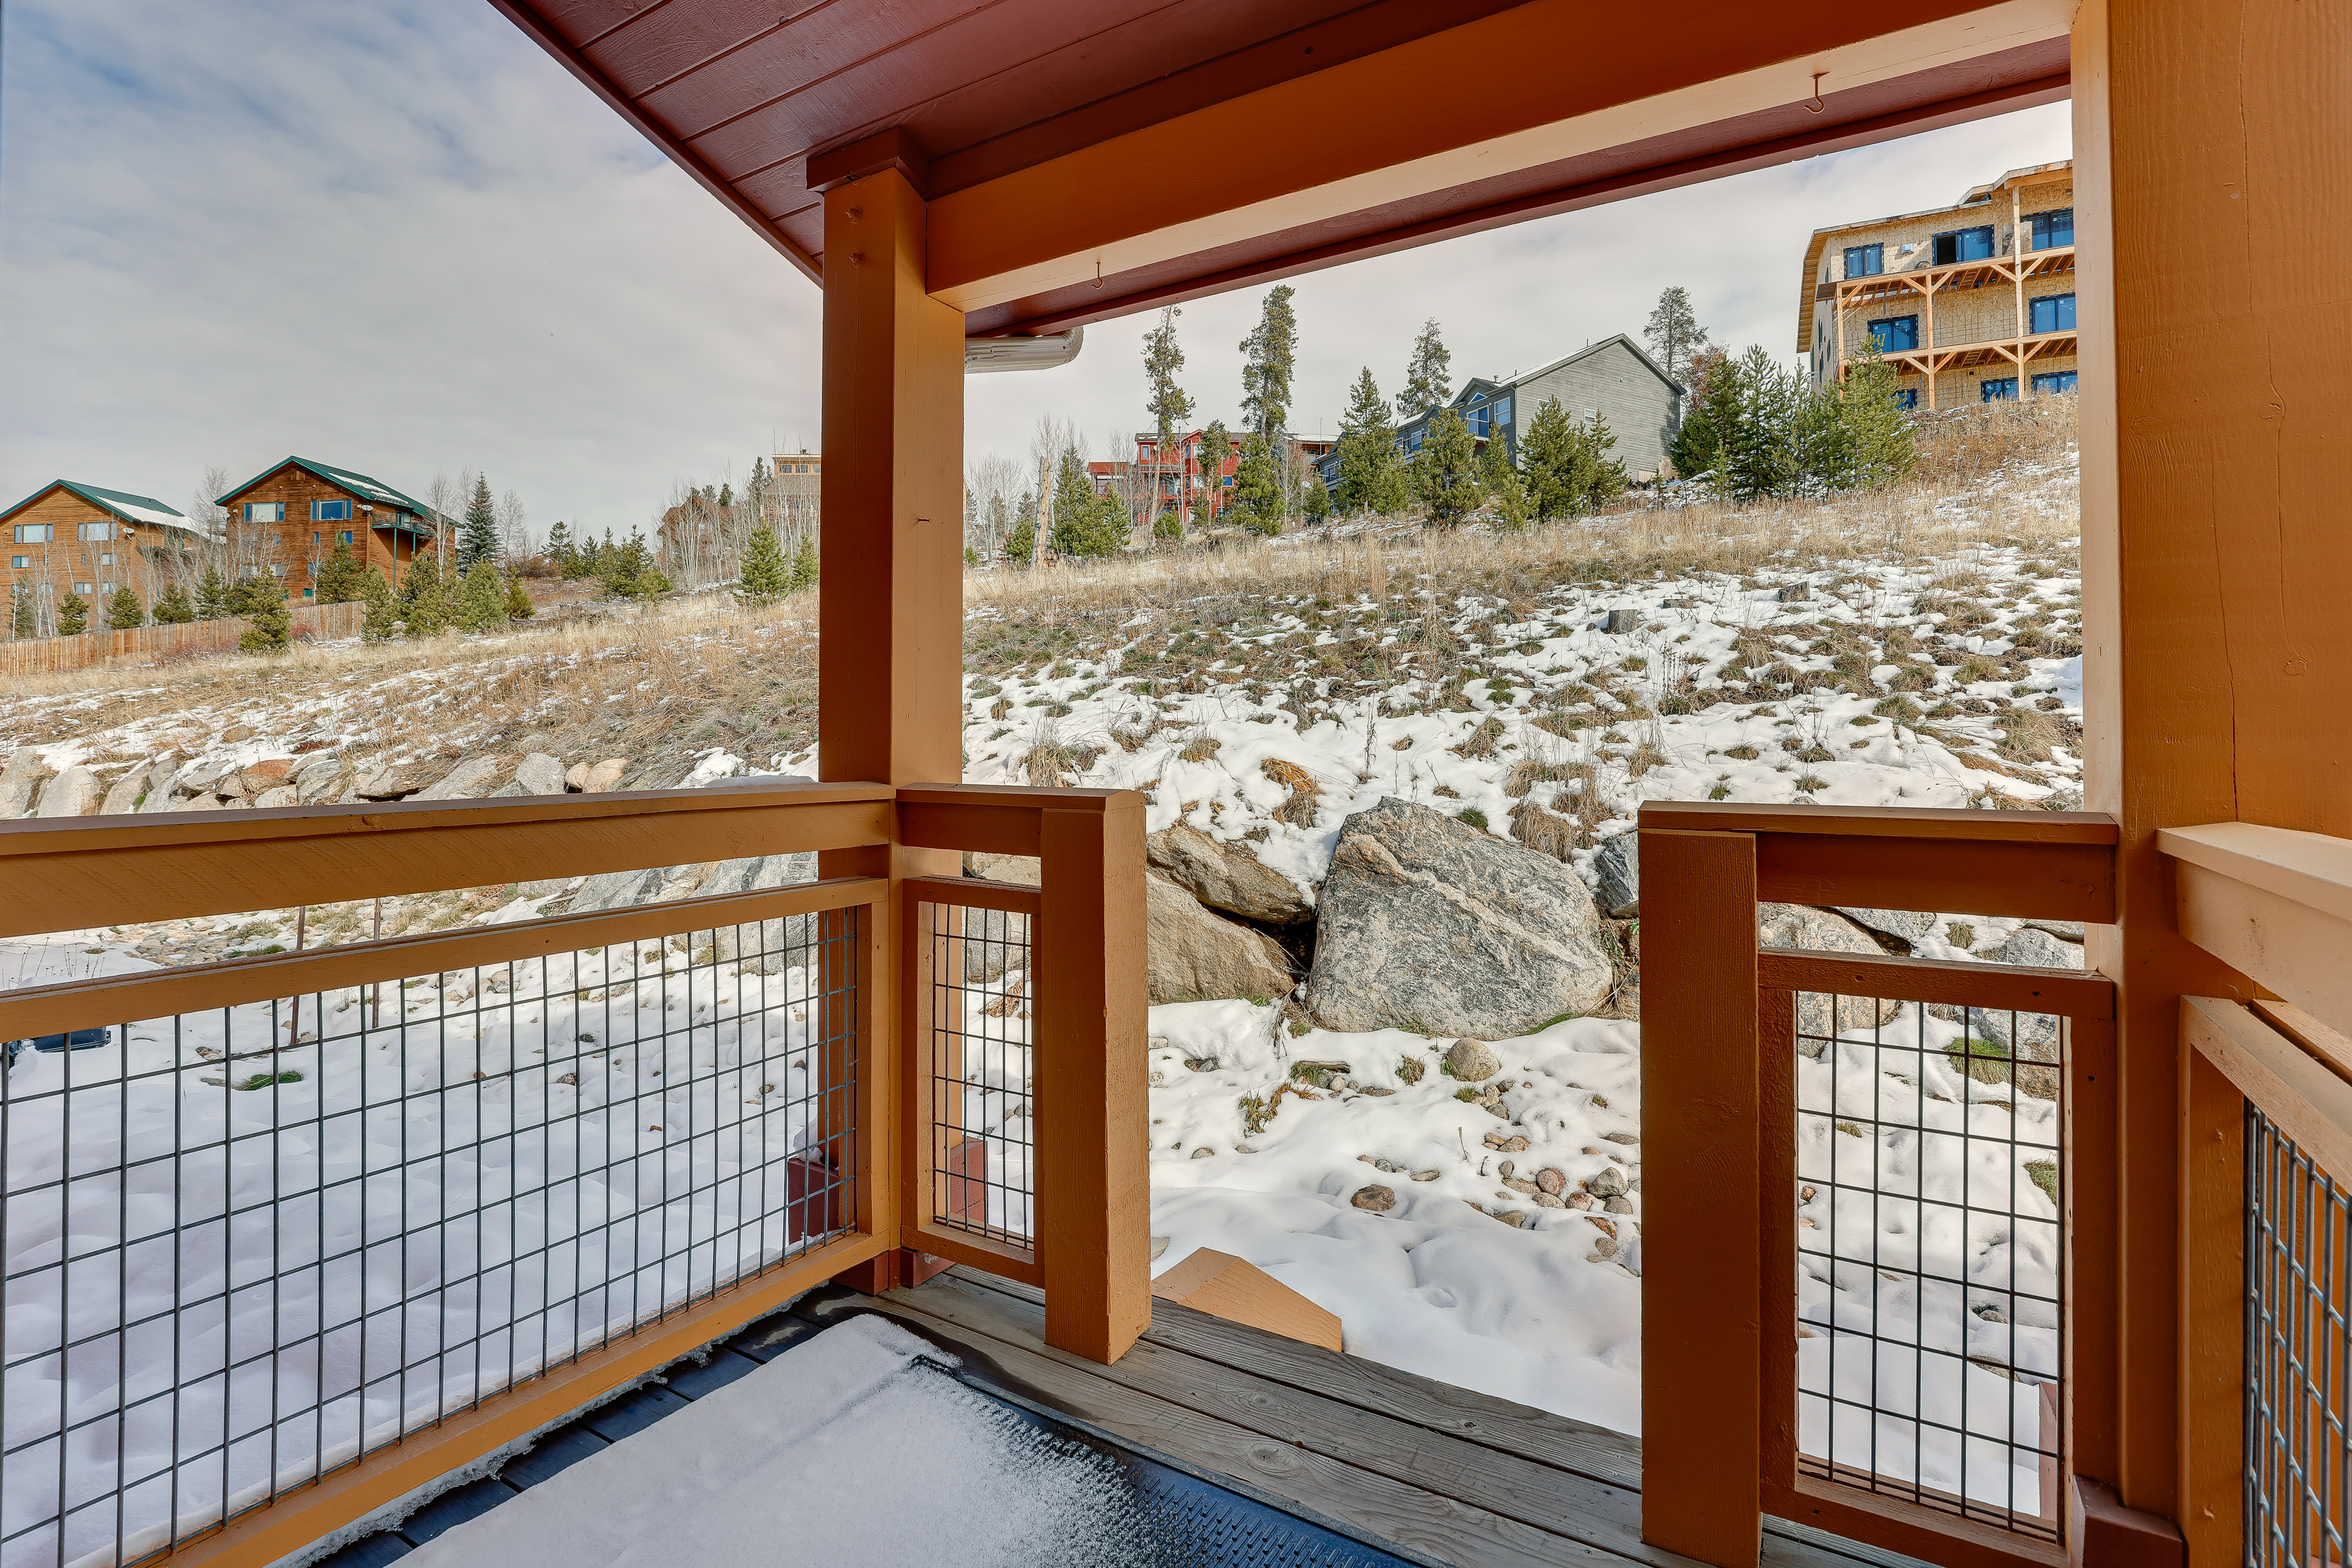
[[285, 522], [68, 537]]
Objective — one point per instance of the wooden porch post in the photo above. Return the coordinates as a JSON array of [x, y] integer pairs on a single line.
[[890, 592], [2216, 350]]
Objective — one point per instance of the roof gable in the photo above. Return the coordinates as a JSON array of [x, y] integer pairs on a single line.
[[358, 484], [120, 504], [1617, 341]]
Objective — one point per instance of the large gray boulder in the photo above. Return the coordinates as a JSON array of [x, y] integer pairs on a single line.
[[73, 792], [2030, 944], [1908, 926], [1617, 877], [123, 797], [1432, 925], [18, 782], [319, 777], [469, 779], [1819, 931], [540, 773], [1198, 955], [1227, 877]]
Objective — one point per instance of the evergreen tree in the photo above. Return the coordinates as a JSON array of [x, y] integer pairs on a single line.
[[560, 551], [383, 616], [24, 622], [1600, 478], [1083, 525], [1216, 447], [588, 557], [1428, 379], [1447, 472], [478, 539], [1712, 401], [339, 577], [1502, 480], [1170, 405], [1673, 334], [1316, 503], [1549, 452], [423, 599], [73, 616], [1371, 478], [1257, 486], [123, 612], [519, 604], [767, 575], [804, 562], [212, 596], [1880, 432], [254, 594], [481, 597], [172, 607], [1759, 454], [1269, 356], [270, 628], [1022, 546]]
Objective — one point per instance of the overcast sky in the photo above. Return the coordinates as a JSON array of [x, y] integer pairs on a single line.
[[394, 235]]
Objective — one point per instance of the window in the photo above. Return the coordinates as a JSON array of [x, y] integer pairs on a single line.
[[2053, 313], [95, 531], [310, 593], [1997, 389], [36, 532], [1907, 398], [2053, 381], [106, 588], [1502, 406], [330, 510], [1964, 244], [1894, 334], [264, 511], [343, 537], [83, 589], [105, 558], [1865, 260], [20, 562], [2053, 229]]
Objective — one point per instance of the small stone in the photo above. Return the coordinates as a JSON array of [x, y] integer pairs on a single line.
[[1205, 1152], [1607, 1182], [1621, 1137], [1375, 1199], [1577, 1200], [1794, 593], [1545, 1200], [575, 776], [1156, 1043], [603, 776], [1617, 1206], [280, 795], [1470, 1061], [569, 1078], [1512, 1145], [1518, 1219], [1424, 1175], [265, 776], [1603, 1249], [1244, 1149], [1376, 1093], [1499, 1112], [1505, 1168], [1552, 1180], [1606, 1227], [1517, 1185]]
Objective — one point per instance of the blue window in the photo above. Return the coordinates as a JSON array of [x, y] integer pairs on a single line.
[[2053, 229], [1907, 398], [2055, 381], [264, 511], [36, 532], [2001, 389], [1865, 260], [1964, 244], [331, 511], [1894, 334], [2053, 313], [1502, 406], [343, 536], [96, 531]]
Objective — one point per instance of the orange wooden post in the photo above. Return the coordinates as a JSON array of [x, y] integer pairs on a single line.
[[890, 597], [1092, 1211], [1701, 1257], [2216, 357], [2213, 1306]]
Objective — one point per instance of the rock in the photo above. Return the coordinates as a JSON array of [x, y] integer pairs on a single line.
[[391, 781], [1472, 1061], [2030, 944], [237, 733], [540, 773], [2033, 1039], [73, 792], [1377, 1199], [1429, 924], [267, 775], [1609, 1182], [320, 777], [1623, 622], [1549, 1201], [1426, 1175], [1518, 1219], [199, 803], [18, 782], [1618, 1205], [158, 785], [1517, 1185], [1908, 926], [603, 776], [1795, 594], [1205, 1152], [1228, 877], [1579, 1200], [574, 776], [1507, 1143], [469, 780], [123, 798], [1617, 876], [282, 795], [2069, 931], [1198, 956], [1818, 931], [546, 887], [1025, 869]]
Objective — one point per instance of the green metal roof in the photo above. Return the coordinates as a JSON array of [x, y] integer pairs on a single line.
[[358, 484], [119, 503]]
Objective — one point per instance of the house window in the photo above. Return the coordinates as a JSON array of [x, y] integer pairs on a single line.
[[21, 562], [83, 589], [1895, 333], [106, 588], [1502, 406], [95, 531], [2053, 381], [310, 593], [264, 511], [1964, 244], [2053, 313], [36, 532], [2053, 229], [344, 536], [330, 510], [1865, 260], [1997, 389], [1907, 398], [105, 558]]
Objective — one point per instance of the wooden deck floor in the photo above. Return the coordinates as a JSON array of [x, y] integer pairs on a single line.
[[1426, 1469]]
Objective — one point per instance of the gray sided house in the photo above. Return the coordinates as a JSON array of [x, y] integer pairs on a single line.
[[1612, 379]]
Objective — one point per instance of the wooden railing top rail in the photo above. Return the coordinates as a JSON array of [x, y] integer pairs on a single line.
[[1885, 822], [2274, 904], [102, 871], [2311, 869], [994, 819]]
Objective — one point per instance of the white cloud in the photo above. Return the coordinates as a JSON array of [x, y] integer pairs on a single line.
[[402, 239]]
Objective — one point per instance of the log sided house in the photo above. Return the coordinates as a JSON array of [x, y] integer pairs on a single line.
[[71, 538], [287, 519]]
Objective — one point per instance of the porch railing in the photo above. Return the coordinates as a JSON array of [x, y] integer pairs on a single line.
[[1868, 1177], [289, 1238]]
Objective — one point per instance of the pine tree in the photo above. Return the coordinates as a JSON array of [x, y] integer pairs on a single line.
[[588, 558], [423, 599], [1696, 445], [212, 596], [254, 594], [1082, 524], [1428, 379], [1601, 478], [1371, 478], [1447, 472], [767, 575], [560, 552], [1170, 405], [73, 616], [24, 622], [478, 539], [804, 562], [123, 611], [339, 577], [1673, 334], [1501, 477], [172, 607], [1023, 544], [1882, 433], [1269, 356], [1757, 429], [1316, 503], [519, 604], [1257, 486], [481, 597], [270, 628], [383, 616], [1548, 451], [1216, 447]]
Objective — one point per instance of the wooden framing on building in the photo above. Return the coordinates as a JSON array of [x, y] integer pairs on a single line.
[[286, 520], [68, 537]]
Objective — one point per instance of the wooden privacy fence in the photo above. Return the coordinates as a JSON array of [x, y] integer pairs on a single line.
[[289, 1238], [43, 655], [1879, 1207]]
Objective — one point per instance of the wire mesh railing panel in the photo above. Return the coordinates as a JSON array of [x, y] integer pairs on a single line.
[[244, 1247], [982, 985], [1930, 1255], [2298, 1355]]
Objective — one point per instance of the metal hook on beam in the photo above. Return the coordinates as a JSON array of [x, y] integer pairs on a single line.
[[1817, 106]]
